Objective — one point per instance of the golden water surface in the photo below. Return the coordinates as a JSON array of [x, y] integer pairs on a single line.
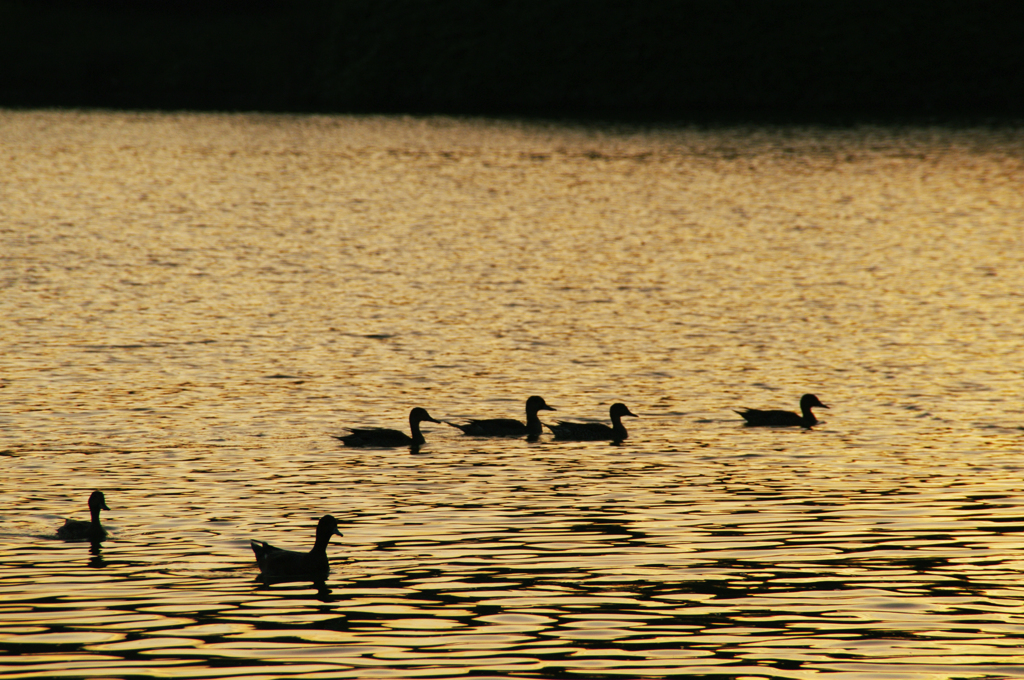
[[190, 305]]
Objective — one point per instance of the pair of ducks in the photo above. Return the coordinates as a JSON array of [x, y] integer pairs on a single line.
[[509, 427], [496, 427], [274, 562]]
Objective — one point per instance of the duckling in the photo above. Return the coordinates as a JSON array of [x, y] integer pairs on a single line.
[[384, 437], [279, 563], [595, 431], [508, 427], [77, 530], [757, 418]]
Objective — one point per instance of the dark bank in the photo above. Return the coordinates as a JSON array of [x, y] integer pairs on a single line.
[[682, 60]]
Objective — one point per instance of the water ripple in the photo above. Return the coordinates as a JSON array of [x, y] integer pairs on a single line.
[[193, 304]]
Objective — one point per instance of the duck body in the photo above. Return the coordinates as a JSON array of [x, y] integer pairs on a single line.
[[595, 431], [80, 530], [382, 437], [277, 562], [806, 418], [508, 427]]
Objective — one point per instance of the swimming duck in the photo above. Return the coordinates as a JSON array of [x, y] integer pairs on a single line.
[[76, 529], [756, 418], [595, 431], [384, 437], [280, 563], [508, 427]]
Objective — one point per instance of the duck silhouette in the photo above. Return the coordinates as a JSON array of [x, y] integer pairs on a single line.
[[383, 437], [79, 530], [279, 563], [759, 418], [595, 431], [508, 427]]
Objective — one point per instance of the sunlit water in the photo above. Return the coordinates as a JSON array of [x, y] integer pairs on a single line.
[[191, 305]]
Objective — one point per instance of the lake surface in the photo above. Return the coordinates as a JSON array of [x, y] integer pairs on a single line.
[[191, 305]]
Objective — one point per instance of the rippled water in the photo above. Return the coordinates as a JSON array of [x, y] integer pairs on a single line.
[[192, 304]]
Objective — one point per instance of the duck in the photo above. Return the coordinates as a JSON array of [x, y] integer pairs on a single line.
[[277, 562], [77, 529], [595, 431], [758, 418], [384, 437], [508, 427]]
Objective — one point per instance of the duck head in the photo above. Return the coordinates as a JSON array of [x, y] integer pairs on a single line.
[[534, 404], [809, 400], [97, 502], [327, 527], [418, 415], [619, 410]]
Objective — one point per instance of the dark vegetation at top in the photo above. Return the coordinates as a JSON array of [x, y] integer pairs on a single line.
[[698, 60]]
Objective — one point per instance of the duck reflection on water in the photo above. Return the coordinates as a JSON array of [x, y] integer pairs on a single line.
[[96, 561]]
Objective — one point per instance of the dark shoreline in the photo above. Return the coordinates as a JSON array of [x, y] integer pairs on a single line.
[[659, 63], [612, 125]]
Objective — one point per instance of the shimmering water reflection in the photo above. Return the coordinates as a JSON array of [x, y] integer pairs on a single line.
[[194, 304], [628, 562]]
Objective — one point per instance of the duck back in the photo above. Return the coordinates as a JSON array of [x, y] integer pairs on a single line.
[[494, 427], [274, 561], [756, 417], [376, 436], [81, 530]]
